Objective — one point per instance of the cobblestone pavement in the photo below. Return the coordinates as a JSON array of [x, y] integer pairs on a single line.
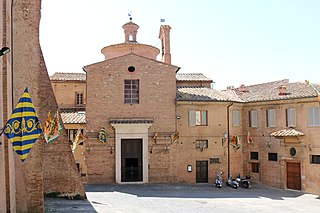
[[182, 198]]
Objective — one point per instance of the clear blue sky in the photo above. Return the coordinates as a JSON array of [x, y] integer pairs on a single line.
[[231, 41]]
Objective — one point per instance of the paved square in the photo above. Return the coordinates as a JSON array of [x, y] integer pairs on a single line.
[[183, 198]]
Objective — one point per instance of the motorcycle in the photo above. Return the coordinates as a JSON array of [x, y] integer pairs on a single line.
[[218, 181], [232, 183], [243, 182]]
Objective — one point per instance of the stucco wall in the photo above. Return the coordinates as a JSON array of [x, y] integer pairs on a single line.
[[65, 92]]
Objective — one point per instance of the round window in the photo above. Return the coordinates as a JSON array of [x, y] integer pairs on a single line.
[[293, 151], [131, 69]]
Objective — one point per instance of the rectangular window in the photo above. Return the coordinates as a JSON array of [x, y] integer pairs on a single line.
[[273, 156], [78, 166], [271, 118], [131, 91], [315, 159], [198, 118], [255, 167], [72, 134], [291, 117], [201, 144], [253, 118], [214, 160], [314, 116], [254, 155], [236, 118], [79, 98]]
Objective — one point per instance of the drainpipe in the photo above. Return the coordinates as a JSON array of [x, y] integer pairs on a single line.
[[228, 131]]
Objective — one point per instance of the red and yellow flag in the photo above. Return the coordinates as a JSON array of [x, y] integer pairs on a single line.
[[52, 128]]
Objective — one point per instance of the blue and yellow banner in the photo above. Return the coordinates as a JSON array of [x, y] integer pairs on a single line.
[[23, 128], [103, 135]]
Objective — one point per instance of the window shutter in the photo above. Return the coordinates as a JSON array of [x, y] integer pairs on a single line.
[[255, 121], [287, 117], [254, 118], [310, 116], [198, 118], [192, 118], [204, 118], [235, 118], [316, 116], [292, 117], [272, 118]]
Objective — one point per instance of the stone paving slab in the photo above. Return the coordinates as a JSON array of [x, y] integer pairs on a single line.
[[176, 198]]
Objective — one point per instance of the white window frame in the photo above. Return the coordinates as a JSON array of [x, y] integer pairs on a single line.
[[131, 91], [291, 117], [271, 118], [253, 118], [314, 116], [236, 118], [198, 118]]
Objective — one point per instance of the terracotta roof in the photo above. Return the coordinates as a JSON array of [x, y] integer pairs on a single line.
[[73, 116], [129, 43], [270, 91], [193, 93], [287, 133], [64, 76], [131, 121], [192, 77], [130, 23]]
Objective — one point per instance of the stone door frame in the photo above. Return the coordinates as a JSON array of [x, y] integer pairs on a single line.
[[131, 131]]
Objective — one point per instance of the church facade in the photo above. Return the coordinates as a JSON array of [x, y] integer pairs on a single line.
[[165, 126]]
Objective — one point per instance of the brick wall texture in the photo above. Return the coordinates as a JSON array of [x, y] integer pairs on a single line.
[[48, 168], [105, 100]]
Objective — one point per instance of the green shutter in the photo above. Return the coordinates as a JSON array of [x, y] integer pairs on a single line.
[[192, 118]]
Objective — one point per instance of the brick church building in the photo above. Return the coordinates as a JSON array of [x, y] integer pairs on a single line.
[[166, 126]]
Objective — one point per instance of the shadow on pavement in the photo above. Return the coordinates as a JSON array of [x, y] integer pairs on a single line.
[[65, 205], [193, 191]]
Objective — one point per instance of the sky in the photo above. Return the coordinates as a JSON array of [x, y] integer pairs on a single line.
[[233, 42]]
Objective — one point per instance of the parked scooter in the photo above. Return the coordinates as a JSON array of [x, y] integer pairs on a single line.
[[232, 183], [218, 181], [243, 182]]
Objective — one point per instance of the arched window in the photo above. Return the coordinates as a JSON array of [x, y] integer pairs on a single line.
[[130, 37]]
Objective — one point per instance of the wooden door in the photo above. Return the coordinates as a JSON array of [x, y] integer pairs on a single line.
[[202, 171], [131, 160], [293, 176]]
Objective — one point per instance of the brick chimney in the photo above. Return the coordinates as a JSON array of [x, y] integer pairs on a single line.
[[164, 36], [243, 88], [230, 87], [282, 89], [130, 31]]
